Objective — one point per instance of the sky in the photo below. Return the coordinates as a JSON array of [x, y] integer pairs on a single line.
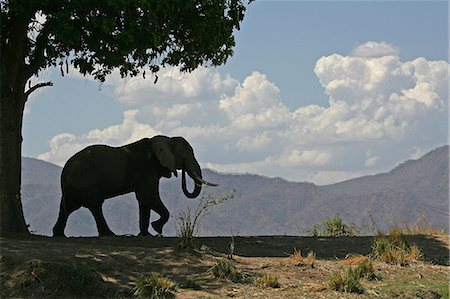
[[316, 91]]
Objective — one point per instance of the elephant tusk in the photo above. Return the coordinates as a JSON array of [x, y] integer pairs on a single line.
[[199, 179]]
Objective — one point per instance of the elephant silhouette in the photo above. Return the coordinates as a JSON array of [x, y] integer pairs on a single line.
[[99, 172]]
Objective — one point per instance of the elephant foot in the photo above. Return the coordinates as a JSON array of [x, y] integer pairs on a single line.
[[58, 233], [157, 226], [143, 234], [106, 234]]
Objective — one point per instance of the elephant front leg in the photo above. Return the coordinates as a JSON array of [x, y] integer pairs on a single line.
[[148, 198], [161, 209]]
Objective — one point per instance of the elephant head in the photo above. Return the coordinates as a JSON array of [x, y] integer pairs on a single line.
[[176, 153]]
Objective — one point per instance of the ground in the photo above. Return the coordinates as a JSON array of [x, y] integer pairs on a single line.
[[36, 266]]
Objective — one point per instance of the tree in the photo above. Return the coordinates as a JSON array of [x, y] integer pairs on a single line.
[[97, 37]]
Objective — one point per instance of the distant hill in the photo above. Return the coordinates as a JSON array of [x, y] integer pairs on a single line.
[[261, 205]]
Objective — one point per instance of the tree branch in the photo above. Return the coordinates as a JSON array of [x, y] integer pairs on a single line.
[[38, 85], [37, 56]]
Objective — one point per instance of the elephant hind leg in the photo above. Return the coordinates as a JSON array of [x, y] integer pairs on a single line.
[[67, 206], [102, 226]]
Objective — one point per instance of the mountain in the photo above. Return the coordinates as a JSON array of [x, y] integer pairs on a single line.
[[261, 205]]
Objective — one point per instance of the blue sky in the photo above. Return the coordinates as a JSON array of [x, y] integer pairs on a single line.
[[316, 91]]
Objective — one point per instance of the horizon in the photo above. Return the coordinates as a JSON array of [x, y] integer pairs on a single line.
[[277, 177]]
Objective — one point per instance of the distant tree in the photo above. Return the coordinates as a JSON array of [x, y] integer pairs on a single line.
[[96, 37]]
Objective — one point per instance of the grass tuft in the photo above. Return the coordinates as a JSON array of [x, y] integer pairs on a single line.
[[225, 269], [268, 280], [154, 285], [299, 260], [366, 270], [346, 281], [349, 281], [395, 249]]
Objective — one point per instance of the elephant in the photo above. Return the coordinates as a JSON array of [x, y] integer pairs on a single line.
[[99, 172]]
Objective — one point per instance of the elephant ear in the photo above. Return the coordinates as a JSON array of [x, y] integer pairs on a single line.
[[164, 154]]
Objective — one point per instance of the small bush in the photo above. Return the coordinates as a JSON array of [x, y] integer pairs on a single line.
[[187, 224], [333, 227], [394, 249], [224, 269], [346, 281], [154, 286], [268, 280]]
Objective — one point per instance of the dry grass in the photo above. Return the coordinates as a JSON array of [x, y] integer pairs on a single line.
[[154, 285], [268, 280], [351, 260], [420, 228], [395, 249], [111, 267], [347, 281], [298, 259], [225, 269]]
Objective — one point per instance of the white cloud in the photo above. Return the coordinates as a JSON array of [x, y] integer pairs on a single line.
[[63, 146], [371, 159], [305, 158], [375, 100], [375, 49]]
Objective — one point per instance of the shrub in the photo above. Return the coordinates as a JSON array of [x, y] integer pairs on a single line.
[[154, 285], [333, 227], [349, 281], [224, 269], [346, 281], [268, 280], [187, 224], [394, 249]]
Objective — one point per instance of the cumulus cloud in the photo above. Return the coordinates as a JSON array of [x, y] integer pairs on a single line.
[[63, 146], [375, 49], [381, 111]]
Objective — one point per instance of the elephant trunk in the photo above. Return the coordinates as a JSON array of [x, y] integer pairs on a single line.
[[195, 173], [197, 188]]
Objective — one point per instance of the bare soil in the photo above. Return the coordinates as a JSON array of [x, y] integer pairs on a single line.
[[43, 267]]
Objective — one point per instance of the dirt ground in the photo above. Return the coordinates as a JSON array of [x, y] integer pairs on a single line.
[[36, 266]]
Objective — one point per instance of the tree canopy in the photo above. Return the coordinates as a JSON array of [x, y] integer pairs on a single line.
[[99, 36]]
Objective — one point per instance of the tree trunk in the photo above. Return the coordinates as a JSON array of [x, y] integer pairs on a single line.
[[13, 77], [11, 113]]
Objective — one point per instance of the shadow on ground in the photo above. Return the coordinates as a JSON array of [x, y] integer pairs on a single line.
[[434, 249]]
